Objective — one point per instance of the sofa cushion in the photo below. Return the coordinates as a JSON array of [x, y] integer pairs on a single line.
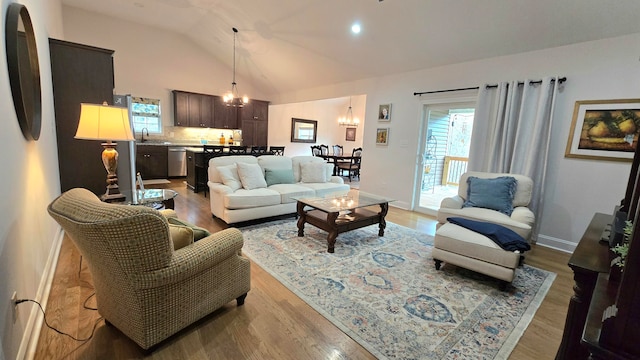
[[496, 194], [523, 191], [278, 176], [229, 176], [327, 188], [313, 173], [289, 191], [214, 176], [244, 199], [251, 176], [297, 160], [181, 236], [198, 232]]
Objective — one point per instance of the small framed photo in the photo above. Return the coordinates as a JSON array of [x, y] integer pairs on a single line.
[[351, 134], [382, 136], [384, 112], [604, 130]]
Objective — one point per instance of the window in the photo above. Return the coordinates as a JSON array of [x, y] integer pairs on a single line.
[[146, 114]]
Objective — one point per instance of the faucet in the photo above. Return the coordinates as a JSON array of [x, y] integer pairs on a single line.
[[142, 133]]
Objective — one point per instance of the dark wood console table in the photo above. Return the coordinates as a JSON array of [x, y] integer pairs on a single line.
[[590, 258]]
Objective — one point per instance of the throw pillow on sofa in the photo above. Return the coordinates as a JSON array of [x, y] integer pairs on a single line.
[[496, 194], [313, 172], [251, 176], [278, 176], [229, 176]]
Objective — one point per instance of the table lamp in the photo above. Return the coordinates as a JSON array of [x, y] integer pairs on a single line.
[[107, 123]]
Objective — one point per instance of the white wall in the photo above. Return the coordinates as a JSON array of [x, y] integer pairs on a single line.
[[29, 182], [150, 62], [326, 112], [575, 189]]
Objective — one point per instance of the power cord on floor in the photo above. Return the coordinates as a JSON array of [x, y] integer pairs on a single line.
[[56, 330]]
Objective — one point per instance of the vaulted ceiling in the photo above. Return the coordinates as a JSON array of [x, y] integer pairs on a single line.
[[284, 45]]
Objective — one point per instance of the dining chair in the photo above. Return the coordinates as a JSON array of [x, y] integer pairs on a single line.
[[338, 150], [353, 166], [324, 149], [237, 149], [258, 150], [315, 150], [276, 150]]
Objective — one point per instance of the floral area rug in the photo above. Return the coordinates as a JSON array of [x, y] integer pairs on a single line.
[[385, 293]]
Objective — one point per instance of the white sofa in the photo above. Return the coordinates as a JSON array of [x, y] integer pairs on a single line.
[[233, 204]]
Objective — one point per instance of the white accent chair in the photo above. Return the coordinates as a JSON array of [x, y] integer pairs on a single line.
[[521, 219], [465, 248]]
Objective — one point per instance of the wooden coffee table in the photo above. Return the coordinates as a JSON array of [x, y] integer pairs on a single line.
[[342, 213]]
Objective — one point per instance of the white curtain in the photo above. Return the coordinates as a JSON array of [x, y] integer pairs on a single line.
[[511, 132]]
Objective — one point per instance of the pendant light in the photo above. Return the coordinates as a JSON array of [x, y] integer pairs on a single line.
[[349, 120], [232, 98]]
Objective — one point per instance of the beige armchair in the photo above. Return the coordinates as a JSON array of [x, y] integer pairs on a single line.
[[521, 220], [144, 287]]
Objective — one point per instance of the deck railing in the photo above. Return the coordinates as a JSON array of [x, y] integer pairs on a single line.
[[453, 168]]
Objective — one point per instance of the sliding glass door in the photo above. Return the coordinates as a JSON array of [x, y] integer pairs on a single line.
[[444, 152]]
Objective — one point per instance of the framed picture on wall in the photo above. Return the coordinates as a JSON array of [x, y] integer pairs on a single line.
[[351, 134], [382, 136], [604, 130], [384, 112]]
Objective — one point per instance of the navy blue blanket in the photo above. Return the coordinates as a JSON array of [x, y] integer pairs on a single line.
[[505, 238]]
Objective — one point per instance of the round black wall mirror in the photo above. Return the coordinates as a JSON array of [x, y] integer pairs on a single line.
[[24, 70]]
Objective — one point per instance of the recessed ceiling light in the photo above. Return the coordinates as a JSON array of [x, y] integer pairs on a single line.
[[355, 28]]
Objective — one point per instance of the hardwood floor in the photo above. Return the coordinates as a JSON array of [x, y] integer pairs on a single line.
[[273, 323]]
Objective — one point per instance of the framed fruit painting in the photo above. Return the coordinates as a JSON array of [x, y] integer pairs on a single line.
[[604, 129]]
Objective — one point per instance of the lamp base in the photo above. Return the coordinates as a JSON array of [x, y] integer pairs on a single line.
[[112, 198], [110, 161]]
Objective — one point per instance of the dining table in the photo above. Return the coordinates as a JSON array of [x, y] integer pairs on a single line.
[[335, 159]]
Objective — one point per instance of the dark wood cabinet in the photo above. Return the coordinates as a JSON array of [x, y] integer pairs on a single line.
[[254, 119], [192, 109], [224, 117], [152, 161], [83, 74], [196, 171], [191, 169]]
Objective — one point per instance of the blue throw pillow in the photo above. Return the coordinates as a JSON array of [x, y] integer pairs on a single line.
[[278, 176], [496, 194]]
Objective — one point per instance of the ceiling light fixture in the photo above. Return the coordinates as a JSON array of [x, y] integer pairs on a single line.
[[232, 98], [355, 28], [349, 120]]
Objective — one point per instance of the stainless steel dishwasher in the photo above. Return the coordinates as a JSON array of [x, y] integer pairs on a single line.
[[177, 161]]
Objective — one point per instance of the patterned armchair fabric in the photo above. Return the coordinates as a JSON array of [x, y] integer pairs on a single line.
[[144, 287]]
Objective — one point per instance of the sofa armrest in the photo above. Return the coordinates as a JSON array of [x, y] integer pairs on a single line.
[[454, 202], [193, 259], [336, 179], [219, 188], [523, 215]]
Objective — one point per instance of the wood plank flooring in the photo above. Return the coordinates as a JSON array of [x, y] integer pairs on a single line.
[[273, 323]]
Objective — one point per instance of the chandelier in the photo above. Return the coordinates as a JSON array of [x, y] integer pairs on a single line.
[[349, 120], [232, 98]]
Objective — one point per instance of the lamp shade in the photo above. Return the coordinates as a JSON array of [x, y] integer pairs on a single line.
[[104, 122]]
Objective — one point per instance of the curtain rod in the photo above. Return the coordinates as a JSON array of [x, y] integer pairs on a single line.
[[560, 80]]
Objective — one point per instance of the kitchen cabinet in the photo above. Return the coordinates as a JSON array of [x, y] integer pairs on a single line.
[[196, 171], [192, 109], [152, 161], [224, 117], [83, 74], [254, 119]]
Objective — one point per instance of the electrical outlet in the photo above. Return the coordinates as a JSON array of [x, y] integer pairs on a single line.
[[14, 308]]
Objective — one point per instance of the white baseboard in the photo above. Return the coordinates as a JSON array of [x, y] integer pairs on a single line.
[[31, 334], [556, 244]]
